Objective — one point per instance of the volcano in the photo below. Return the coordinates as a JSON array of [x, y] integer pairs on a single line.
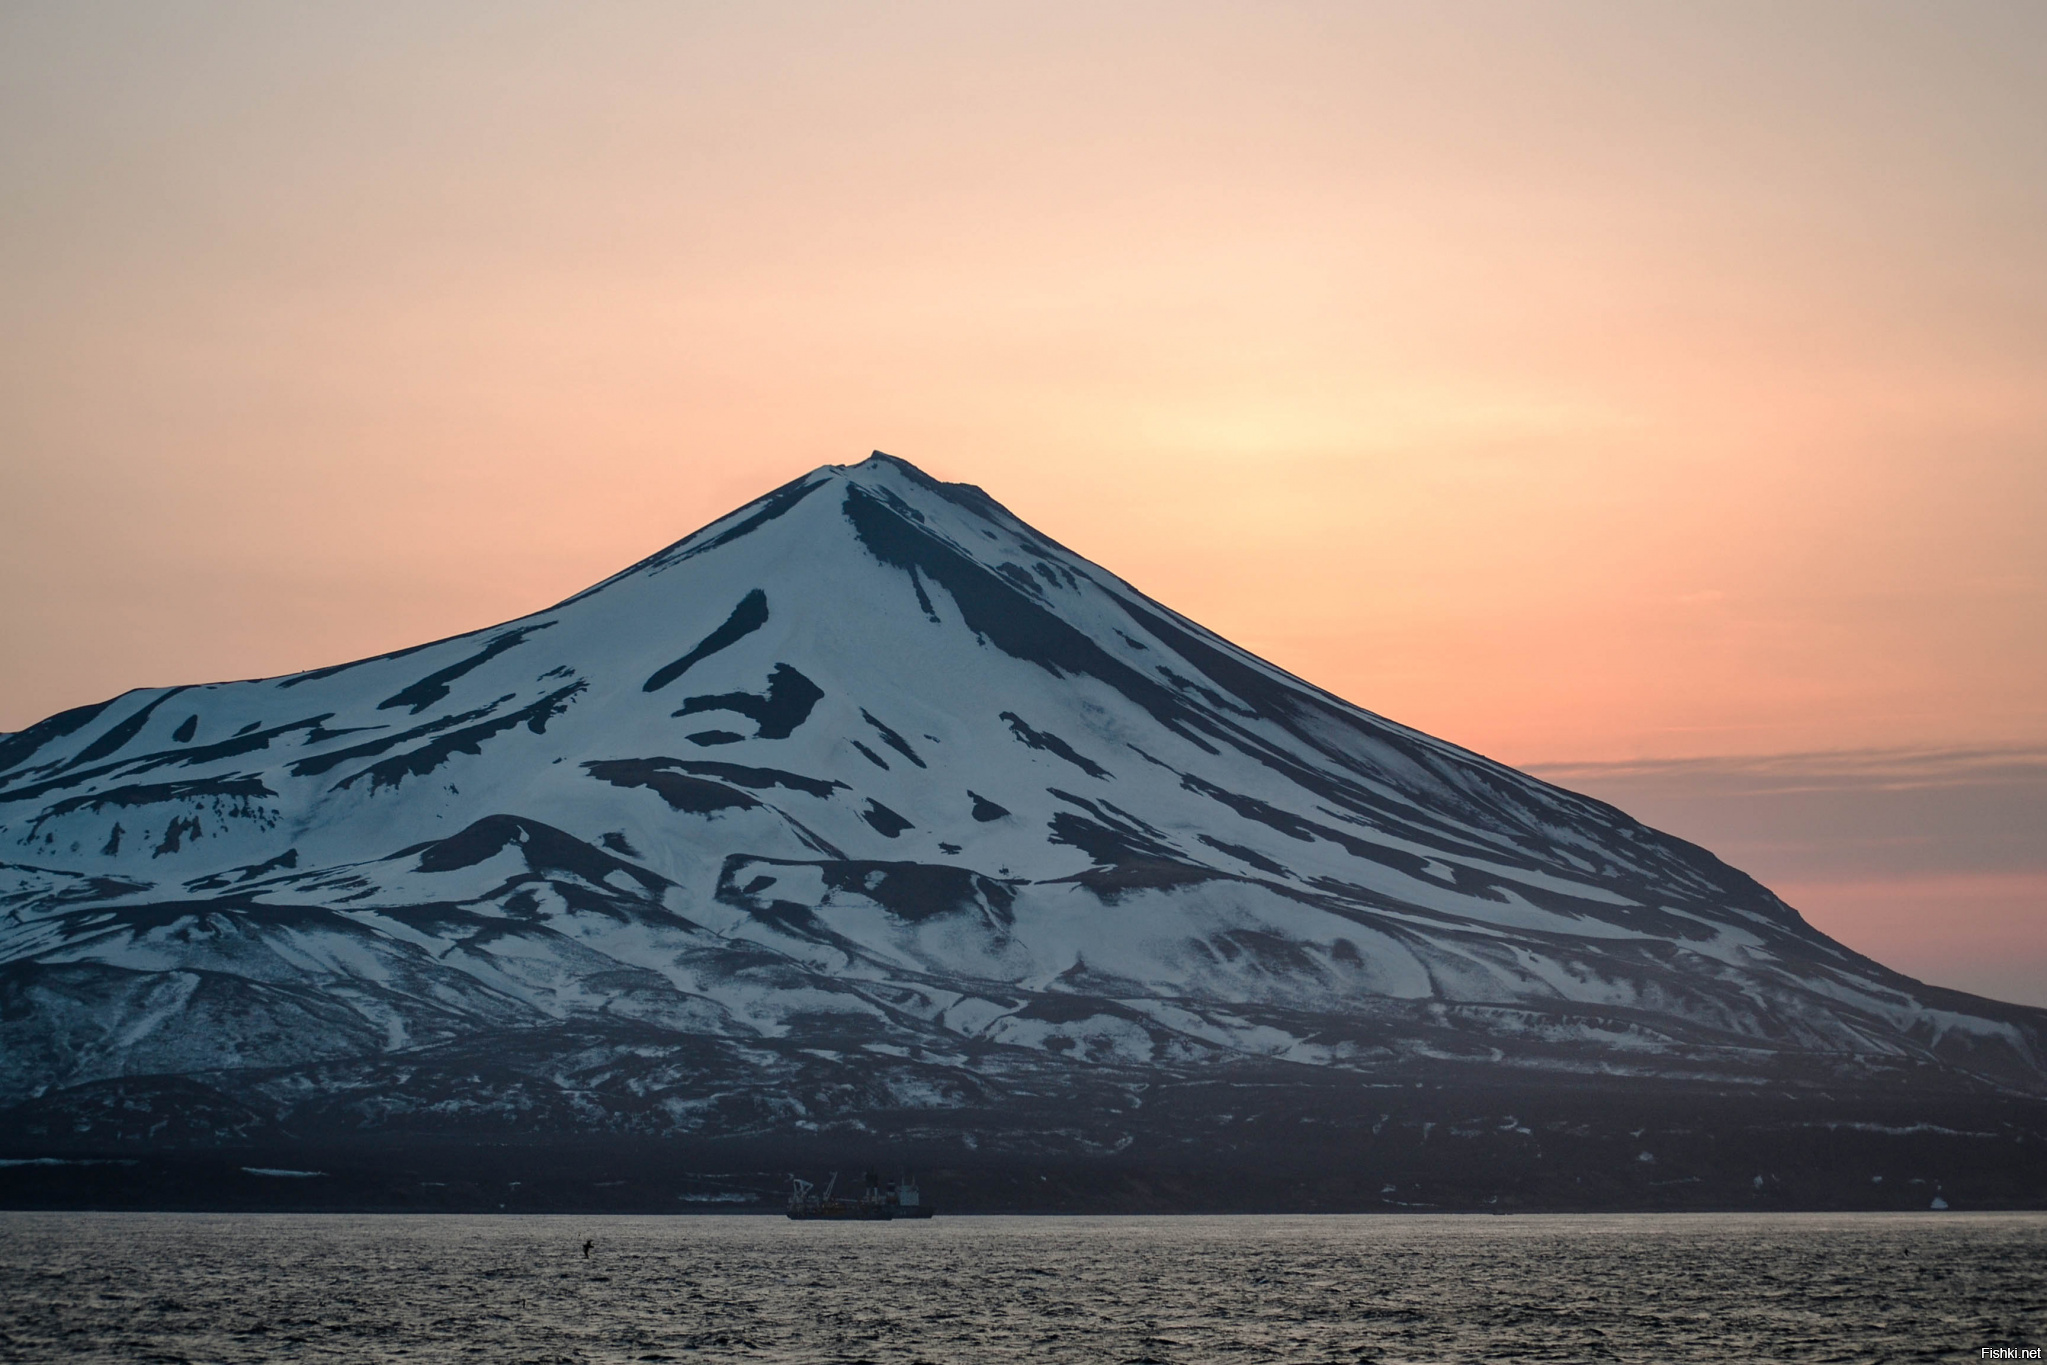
[[869, 817]]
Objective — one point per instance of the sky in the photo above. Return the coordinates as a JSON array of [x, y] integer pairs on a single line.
[[1647, 394]]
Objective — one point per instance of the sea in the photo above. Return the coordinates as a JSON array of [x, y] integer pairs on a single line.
[[1662, 1288]]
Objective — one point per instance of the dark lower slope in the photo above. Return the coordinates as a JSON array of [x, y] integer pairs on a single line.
[[625, 1115], [1248, 1140]]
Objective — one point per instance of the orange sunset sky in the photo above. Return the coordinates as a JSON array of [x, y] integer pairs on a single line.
[[1652, 395]]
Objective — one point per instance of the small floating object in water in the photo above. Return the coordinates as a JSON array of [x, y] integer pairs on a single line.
[[881, 1201]]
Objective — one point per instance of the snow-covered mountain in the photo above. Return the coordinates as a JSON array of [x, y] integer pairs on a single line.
[[866, 803]]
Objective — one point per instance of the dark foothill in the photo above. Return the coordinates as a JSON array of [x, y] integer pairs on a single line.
[[183, 734], [616, 841], [986, 810], [708, 738], [872, 757]]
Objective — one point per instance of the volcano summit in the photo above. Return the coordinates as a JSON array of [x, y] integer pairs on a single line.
[[869, 818]]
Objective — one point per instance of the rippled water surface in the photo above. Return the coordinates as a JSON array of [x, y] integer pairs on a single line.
[[1655, 1288]]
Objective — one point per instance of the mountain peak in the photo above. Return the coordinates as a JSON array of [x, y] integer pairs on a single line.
[[880, 466]]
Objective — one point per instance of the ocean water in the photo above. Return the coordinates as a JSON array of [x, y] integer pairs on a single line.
[[1652, 1288]]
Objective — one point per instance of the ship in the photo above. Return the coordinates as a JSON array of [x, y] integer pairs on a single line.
[[879, 1201]]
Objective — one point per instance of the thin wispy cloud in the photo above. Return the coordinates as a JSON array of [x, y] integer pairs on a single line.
[[1899, 769], [1931, 860]]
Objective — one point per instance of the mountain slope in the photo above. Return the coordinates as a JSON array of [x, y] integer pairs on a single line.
[[866, 804]]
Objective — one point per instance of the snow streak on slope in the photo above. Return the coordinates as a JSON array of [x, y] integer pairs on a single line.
[[867, 789]]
